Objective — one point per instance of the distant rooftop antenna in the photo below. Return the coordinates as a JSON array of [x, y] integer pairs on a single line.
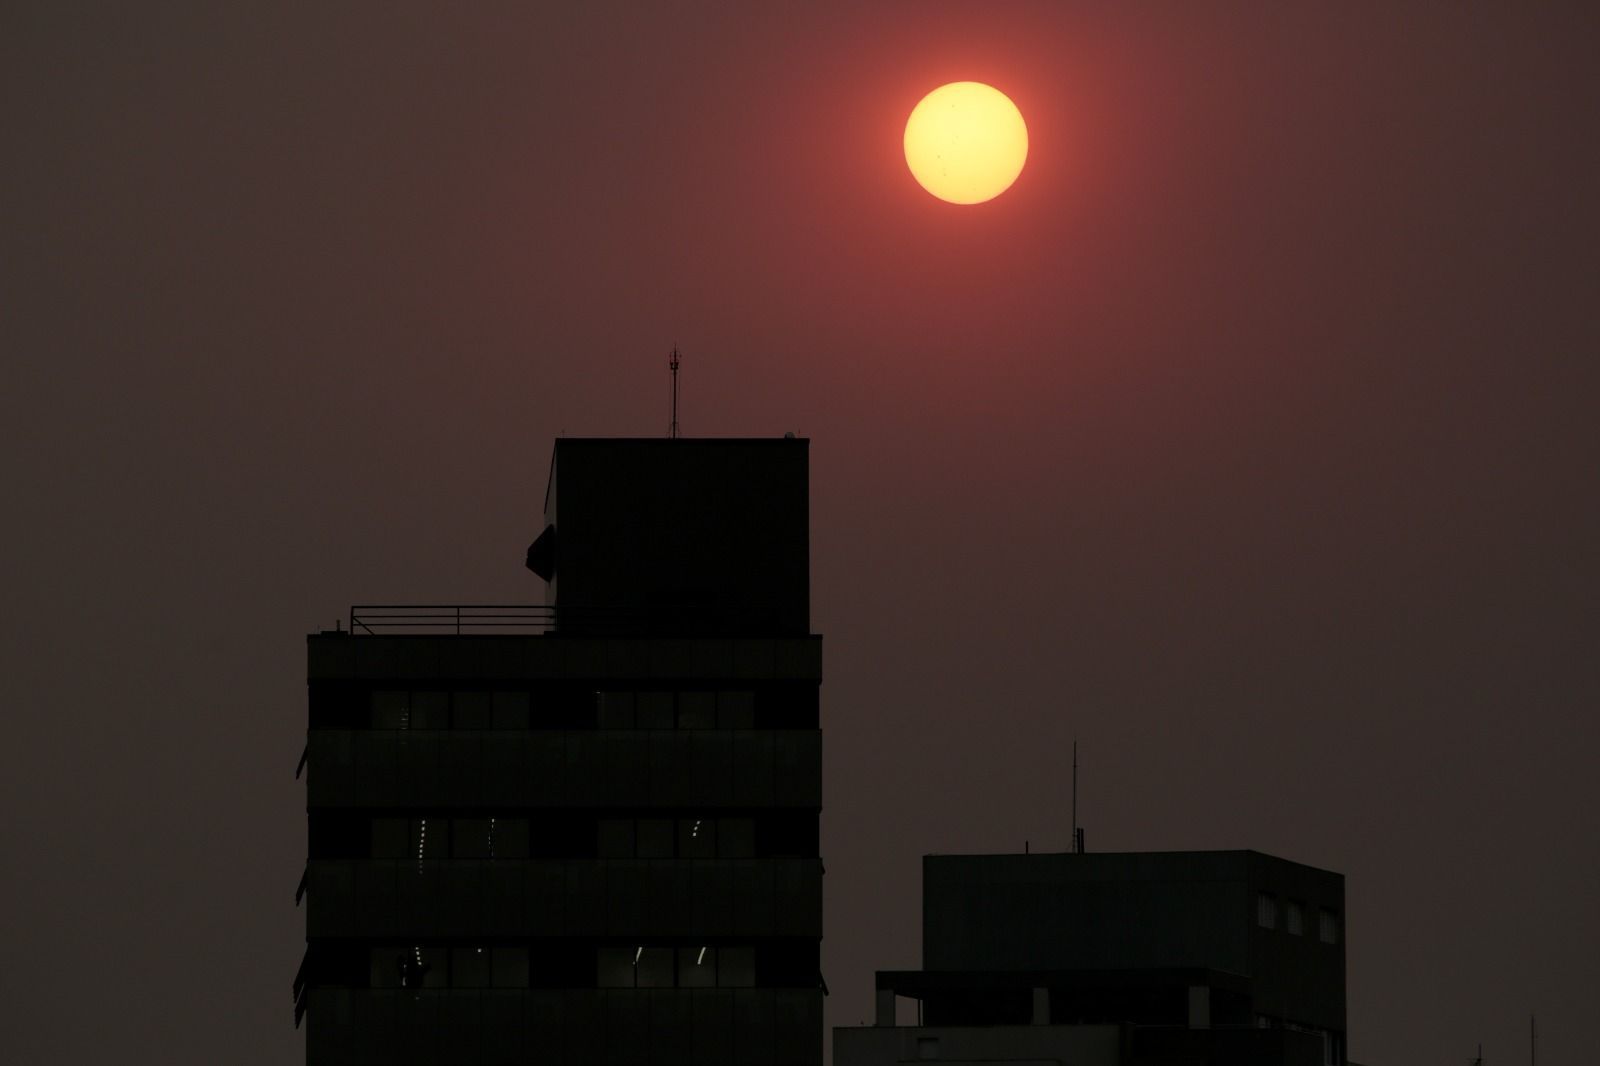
[[1077, 831], [672, 361]]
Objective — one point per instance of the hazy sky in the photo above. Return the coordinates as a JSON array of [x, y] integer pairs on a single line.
[[1249, 438]]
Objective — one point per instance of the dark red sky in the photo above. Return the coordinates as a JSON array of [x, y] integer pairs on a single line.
[[1250, 438]]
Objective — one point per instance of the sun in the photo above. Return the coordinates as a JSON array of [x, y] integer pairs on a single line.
[[966, 142]]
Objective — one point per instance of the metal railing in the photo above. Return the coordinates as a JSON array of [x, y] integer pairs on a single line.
[[452, 618], [585, 619]]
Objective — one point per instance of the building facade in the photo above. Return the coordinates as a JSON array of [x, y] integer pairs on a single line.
[[584, 832], [1117, 959]]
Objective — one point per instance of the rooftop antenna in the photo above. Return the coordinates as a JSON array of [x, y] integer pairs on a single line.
[[672, 361], [1478, 1060], [1077, 832]]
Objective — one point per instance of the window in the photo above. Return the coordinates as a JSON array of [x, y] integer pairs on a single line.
[[697, 838], [509, 710], [613, 710], [614, 967], [508, 838], [654, 836], [736, 838], [1266, 911], [1294, 918], [651, 966], [389, 837], [615, 838], [653, 711], [736, 968], [391, 710], [697, 710], [469, 967], [471, 710], [736, 710], [430, 709], [697, 967], [509, 968], [407, 966], [471, 838], [1328, 926]]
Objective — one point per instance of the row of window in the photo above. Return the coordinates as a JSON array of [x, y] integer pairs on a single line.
[[637, 966], [615, 838], [1294, 917], [513, 709]]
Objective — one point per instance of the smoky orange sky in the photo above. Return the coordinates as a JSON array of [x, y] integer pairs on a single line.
[[1249, 438]]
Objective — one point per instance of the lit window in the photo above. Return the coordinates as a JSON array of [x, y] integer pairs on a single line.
[[1328, 926], [1266, 911], [1294, 918]]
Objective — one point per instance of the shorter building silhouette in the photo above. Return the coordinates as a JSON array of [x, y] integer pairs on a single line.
[[1199, 958]]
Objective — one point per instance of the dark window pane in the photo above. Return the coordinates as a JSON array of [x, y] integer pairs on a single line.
[[391, 710], [510, 710], [654, 710], [469, 967], [470, 711], [697, 710], [736, 968], [614, 710], [614, 967], [697, 838], [736, 838], [697, 967], [508, 838], [389, 838], [653, 968], [430, 710], [510, 968], [614, 839], [471, 838], [736, 710], [655, 838]]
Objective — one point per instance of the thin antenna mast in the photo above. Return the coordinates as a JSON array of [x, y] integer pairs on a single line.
[[672, 361]]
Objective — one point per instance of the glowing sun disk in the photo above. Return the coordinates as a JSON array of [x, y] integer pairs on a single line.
[[966, 142]]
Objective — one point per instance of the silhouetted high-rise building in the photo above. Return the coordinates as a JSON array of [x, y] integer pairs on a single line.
[[584, 832], [1201, 958]]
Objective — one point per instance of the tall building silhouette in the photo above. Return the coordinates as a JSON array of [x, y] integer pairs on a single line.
[[584, 832]]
